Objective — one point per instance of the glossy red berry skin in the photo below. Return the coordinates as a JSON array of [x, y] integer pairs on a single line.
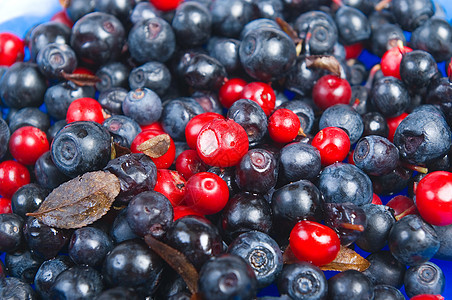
[[196, 123], [393, 123], [283, 125], [353, 50], [231, 91], [62, 17], [11, 49], [188, 163], [333, 144], [376, 200], [222, 143], [402, 206], [27, 144], [427, 297], [182, 211], [315, 243], [390, 61], [165, 5], [82, 70], [152, 126], [434, 198], [13, 175], [5, 206], [163, 161], [85, 109], [206, 193], [262, 94], [171, 184], [330, 90]]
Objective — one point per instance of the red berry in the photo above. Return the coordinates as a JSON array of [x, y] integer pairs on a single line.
[[390, 61], [85, 109], [189, 163], [82, 70], [393, 123], [171, 184], [376, 200], [402, 206], [222, 143], [62, 17], [165, 5], [5, 206], [330, 90], [314, 243], [195, 124], [283, 125], [262, 94], [27, 144], [11, 49], [434, 198], [152, 126], [206, 193], [13, 175], [353, 50], [427, 297], [182, 211], [161, 147], [333, 144], [231, 91]]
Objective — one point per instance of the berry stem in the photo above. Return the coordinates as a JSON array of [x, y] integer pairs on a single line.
[[382, 5], [351, 226]]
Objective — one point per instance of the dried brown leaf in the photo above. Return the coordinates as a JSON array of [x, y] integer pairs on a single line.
[[155, 146], [325, 62], [346, 259], [120, 150], [81, 79], [289, 30], [177, 261], [79, 201]]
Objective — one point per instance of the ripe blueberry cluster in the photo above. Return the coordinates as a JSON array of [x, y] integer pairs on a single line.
[[249, 140]]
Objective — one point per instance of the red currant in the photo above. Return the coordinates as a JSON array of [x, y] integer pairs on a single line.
[[152, 126], [393, 123], [434, 198], [171, 184], [283, 125], [330, 90], [189, 163], [206, 193], [13, 175], [182, 211], [11, 49], [353, 50], [376, 200], [85, 109], [165, 5], [231, 91], [390, 61], [82, 70], [222, 143], [315, 243], [162, 147], [402, 206], [195, 124], [5, 206], [262, 94], [27, 144], [427, 297], [62, 17], [333, 144]]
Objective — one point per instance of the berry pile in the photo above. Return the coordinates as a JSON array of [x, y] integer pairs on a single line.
[[227, 149]]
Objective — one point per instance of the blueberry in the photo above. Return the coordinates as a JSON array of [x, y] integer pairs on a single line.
[[152, 75], [229, 17], [413, 241], [11, 233], [208, 101], [350, 284], [204, 72], [270, 9], [390, 97], [383, 35], [227, 277], [299, 161], [142, 105], [54, 59], [5, 134], [111, 75], [427, 278], [410, 14], [30, 116], [111, 100], [79, 282], [151, 40], [47, 273], [258, 23], [123, 129], [344, 117], [417, 69], [262, 253], [192, 24], [118, 293], [301, 78], [14, 288], [120, 229], [342, 182], [393, 182], [302, 280], [47, 33], [444, 233], [22, 264], [89, 246], [303, 110], [226, 51], [78, 8], [28, 198], [352, 25], [47, 174], [81, 147], [375, 124], [119, 9], [267, 54], [143, 10], [387, 292], [385, 269]]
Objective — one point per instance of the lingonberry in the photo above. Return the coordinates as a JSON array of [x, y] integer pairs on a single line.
[[390, 62], [353, 50], [5, 206], [157, 145], [27, 144], [11, 49], [85, 109], [165, 5], [427, 297], [13, 175], [231, 91], [222, 143], [434, 198], [330, 90], [195, 124], [171, 184], [402, 206], [393, 123], [153, 126], [333, 144], [315, 243], [182, 211], [262, 94], [283, 125], [206, 193], [188, 163]]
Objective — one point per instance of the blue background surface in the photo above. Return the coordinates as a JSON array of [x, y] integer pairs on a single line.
[[18, 16]]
